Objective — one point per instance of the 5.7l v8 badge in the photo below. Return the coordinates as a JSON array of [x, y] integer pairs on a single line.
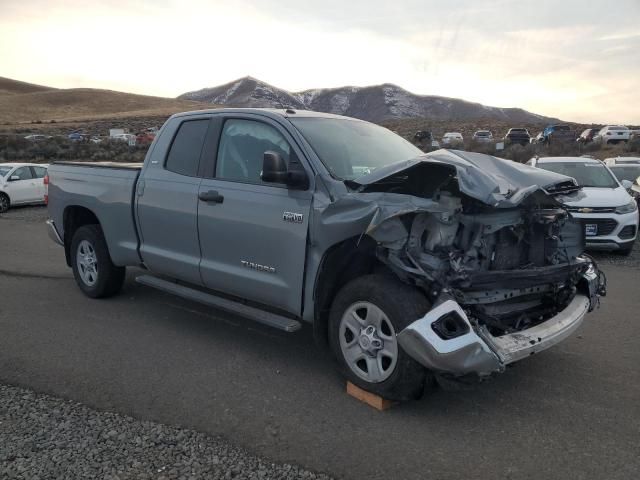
[[293, 217]]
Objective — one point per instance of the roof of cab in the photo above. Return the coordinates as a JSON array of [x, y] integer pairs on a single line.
[[268, 112]]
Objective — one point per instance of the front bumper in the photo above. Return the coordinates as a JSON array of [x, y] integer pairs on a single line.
[[479, 352], [612, 240]]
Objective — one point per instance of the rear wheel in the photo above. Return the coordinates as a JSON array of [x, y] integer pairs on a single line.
[[5, 203], [95, 273], [365, 318]]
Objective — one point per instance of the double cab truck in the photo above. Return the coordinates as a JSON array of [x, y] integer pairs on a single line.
[[409, 267]]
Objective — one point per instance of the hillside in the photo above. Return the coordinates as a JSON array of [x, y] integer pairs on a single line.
[[60, 105], [9, 86], [374, 103]]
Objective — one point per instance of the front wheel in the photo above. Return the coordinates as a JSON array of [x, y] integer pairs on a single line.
[[5, 203], [95, 273], [364, 320]]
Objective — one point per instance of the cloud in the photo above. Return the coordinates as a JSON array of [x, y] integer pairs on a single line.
[[548, 57]]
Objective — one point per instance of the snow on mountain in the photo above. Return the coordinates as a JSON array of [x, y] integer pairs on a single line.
[[374, 103]]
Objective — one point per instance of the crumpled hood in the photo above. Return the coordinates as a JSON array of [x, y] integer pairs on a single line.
[[492, 180]]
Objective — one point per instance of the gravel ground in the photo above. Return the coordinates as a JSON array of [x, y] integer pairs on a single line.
[[43, 437]]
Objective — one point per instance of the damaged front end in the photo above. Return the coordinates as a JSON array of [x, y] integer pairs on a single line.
[[500, 259]]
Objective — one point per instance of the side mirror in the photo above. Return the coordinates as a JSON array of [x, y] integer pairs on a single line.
[[275, 170], [14, 178], [626, 184]]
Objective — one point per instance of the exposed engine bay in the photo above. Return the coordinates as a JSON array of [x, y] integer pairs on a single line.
[[510, 268]]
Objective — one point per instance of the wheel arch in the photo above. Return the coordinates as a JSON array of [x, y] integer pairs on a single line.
[[74, 217], [341, 263]]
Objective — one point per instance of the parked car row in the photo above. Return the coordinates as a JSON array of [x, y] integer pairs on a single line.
[[144, 137]]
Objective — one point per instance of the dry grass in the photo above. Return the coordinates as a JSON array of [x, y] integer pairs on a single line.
[[12, 87], [25, 103]]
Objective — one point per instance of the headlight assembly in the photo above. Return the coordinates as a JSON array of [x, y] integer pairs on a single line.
[[628, 208]]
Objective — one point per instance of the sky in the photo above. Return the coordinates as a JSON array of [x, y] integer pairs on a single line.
[[575, 60]]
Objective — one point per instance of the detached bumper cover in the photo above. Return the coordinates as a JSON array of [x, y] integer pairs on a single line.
[[478, 351]]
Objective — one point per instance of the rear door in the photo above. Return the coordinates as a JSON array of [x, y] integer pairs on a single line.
[[23, 190], [253, 234], [167, 202]]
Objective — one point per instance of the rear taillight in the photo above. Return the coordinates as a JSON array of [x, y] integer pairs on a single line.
[[45, 180]]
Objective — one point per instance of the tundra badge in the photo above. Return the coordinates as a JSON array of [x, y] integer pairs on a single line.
[[292, 217], [257, 266]]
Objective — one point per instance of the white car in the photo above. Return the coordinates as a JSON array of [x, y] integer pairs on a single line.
[[482, 136], [21, 184], [622, 161], [612, 134], [452, 138], [609, 214]]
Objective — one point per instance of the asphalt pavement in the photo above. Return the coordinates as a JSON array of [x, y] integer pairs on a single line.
[[572, 412]]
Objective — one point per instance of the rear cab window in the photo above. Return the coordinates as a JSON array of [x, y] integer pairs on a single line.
[[184, 154]]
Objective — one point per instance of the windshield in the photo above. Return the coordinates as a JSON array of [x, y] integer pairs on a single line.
[[351, 148], [630, 173], [4, 171], [586, 174]]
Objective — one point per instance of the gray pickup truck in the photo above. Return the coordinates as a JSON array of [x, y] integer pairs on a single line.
[[409, 266]]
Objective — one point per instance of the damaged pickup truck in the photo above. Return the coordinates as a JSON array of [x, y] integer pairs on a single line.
[[407, 265]]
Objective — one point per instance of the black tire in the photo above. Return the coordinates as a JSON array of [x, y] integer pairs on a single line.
[[402, 304], [5, 202], [109, 277]]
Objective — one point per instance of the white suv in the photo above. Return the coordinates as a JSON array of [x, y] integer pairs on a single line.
[[609, 214], [612, 134], [452, 139]]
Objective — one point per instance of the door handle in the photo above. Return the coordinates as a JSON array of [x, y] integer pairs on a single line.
[[211, 196]]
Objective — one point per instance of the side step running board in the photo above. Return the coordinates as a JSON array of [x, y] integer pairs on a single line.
[[267, 318]]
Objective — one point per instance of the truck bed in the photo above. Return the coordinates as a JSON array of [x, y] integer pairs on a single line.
[[107, 190]]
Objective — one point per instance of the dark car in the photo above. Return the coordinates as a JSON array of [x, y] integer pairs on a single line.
[[557, 133], [423, 136], [517, 135], [587, 135]]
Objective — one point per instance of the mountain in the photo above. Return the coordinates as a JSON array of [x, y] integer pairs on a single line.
[[374, 103], [22, 102]]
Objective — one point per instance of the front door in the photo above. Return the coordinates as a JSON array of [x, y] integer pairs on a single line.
[[253, 234], [24, 189]]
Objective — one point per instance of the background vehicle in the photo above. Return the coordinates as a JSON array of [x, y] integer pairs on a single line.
[[517, 135], [587, 135], [557, 133], [608, 213], [36, 137], [537, 139], [613, 134], [76, 137], [21, 184], [622, 161], [295, 216], [452, 139], [483, 136]]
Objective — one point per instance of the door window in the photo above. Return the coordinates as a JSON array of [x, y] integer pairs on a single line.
[[40, 172], [242, 147], [184, 155], [23, 172]]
